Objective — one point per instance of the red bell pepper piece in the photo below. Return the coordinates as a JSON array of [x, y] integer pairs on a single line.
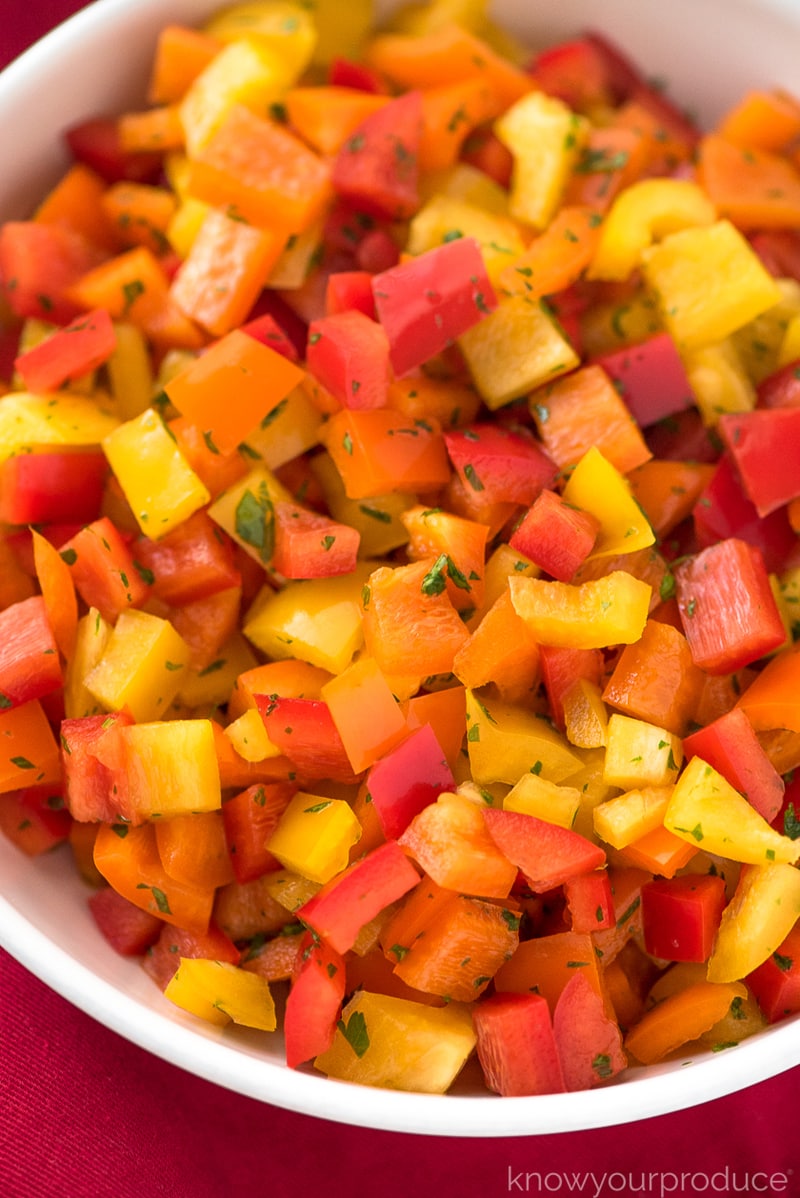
[[163, 958], [88, 781], [104, 569], [575, 72], [265, 328], [38, 264], [503, 465], [314, 1002], [83, 345], [589, 1043], [346, 73], [563, 667], [407, 779], [426, 303], [555, 535], [250, 818], [590, 901], [516, 1045], [376, 252], [628, 84], [547, 854], [97, 143], [34, 819], [193, 561], [349, 354], [129, 930], [30, 666], [765, 446], [376, 169], [310, 545], [779, 250], [305, 732], [681, 915], [682, 437], [728, 611], [781, 389], [651, 379], [350, 290], [39, 488], [776, 983], [340, 909], [732, 748], [724, 510]]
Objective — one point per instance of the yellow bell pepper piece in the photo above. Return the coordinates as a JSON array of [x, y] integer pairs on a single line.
[[297, 259], [759, 342], [28, 420], [261, 488], [534, 795], [643, 213], [622, 820], [287, 430], [503, 564], [709, 283], [314, 836], [445, 216], [141, 666], [130, 372], [608, 611], [719, 380], [707, 811], [377, 520], [185, 224], [505, 742], [515, 349], [545, 139], [211, 685], [585, 715], [246, 72], [598, 488], [790, 346], [762, 912], [468, 184], [640, 754], [283, 26], [172, 767], [318, 621], [90, 644], [249, 737], [289, 889], [399, 1044], [158, 482], [222, 993], [419, 19]]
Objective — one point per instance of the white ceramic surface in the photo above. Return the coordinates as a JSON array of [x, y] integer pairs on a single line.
[[710, 51]]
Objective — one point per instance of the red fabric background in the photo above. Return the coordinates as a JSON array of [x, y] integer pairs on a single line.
[[85, 1114]]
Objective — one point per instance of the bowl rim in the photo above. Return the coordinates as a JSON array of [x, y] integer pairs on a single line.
[[691, 1082], [175, 1038]]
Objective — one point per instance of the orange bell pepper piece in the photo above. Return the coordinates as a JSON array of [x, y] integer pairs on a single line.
[[262, 172], [140, 213], [754, 188], [546, 964], [326, 116], [410, 626], [232, 387], [762, 120], [656, 679], [584, 410], [193, 849], [502, 650], [129, 861], [377, 451], [773, 698], [181, 55], [154, 131], [58, 591], [29, 753], [680, 1018], [224, 272], [76, 203], [556, 258]]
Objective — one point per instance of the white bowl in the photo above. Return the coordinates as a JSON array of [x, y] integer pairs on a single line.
[[710, 51]]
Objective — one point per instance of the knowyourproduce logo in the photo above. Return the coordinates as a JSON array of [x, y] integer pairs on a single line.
[[660, 1184]]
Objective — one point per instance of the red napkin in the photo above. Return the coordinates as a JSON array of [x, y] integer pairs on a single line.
[[85, 1114]]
